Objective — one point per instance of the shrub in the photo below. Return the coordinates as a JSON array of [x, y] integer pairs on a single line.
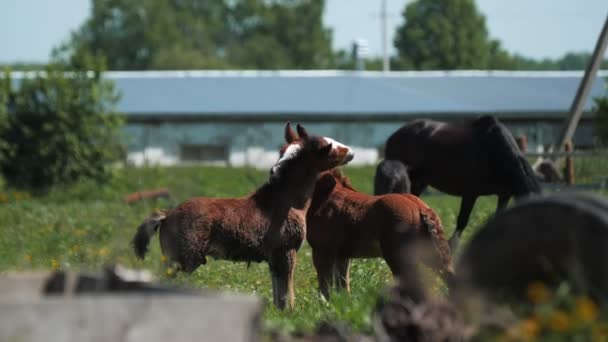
[[60, 125]]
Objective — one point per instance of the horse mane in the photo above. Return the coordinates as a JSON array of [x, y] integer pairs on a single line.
[[506, 157], [341, 178]]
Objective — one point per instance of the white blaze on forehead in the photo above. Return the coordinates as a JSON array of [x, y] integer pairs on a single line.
[[335, 144]]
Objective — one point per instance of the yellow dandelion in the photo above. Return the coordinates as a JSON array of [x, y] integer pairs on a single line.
[[585, 309], [529, 328], [170, 271], [27, 257], [537, 292], [54, 264], [163, 258], [75, 249], [559, 321], [103, 252]]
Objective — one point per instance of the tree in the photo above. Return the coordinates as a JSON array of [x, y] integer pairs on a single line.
[[443, 34], [62, 126], [186, 34], [5, 86]]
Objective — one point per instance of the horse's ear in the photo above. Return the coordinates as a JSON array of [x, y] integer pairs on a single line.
[[290, 135], [302, 132]]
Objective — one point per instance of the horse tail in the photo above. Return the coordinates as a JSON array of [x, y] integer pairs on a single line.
[[432, 223], [145, 231], [506, 157]]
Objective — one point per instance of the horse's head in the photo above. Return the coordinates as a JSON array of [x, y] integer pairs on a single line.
[[314, 153]]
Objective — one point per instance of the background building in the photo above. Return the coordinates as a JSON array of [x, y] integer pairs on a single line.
[[237, 117]]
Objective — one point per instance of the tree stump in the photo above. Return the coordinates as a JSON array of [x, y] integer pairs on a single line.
[[555, 238]]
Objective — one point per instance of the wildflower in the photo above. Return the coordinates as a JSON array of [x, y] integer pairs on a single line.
[[538, 292], [559, 321], [103, 252], [163, 258], [585, 309], [54, 264], [75, 249], [170, 271], [3, 198], [529, 328], [28, 257], [80, 232]]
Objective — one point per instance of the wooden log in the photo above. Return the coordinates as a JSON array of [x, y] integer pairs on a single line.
[[147, 194], [551, 239]]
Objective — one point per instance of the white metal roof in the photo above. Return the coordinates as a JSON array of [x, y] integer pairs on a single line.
[[327, 92]]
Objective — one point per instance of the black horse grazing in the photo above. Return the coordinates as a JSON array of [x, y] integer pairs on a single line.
[[391, 178], [470, 159]]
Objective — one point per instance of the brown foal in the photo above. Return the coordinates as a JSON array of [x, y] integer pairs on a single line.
[[268, 225]]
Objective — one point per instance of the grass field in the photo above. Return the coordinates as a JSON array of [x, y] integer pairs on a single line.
[[85, 226]]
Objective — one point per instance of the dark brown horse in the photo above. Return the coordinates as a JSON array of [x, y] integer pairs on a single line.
[[268, 225], [343, 223], [470, 159]]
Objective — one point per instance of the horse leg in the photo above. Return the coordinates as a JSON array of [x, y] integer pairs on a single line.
[[282, 265], [342, 274], [503, 200], [324, 264], [466, 205]]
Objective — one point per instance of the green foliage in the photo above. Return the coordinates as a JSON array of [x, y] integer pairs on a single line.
[[193, 34], [5, 87], [452, 34], [601, 118], [570, 61], [60, 127], [443, 34]]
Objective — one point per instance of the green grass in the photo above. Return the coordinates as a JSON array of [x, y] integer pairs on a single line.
[[85, 226]]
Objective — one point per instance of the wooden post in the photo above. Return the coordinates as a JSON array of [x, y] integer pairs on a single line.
[[576, 110], [569, 167], [522, 143]]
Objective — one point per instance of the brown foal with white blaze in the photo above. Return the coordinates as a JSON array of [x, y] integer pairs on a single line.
[[268, 225]]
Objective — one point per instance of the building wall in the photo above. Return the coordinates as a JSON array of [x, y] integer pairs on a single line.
[[256, 144]]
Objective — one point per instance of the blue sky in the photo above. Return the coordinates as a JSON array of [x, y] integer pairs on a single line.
[[534, 28]]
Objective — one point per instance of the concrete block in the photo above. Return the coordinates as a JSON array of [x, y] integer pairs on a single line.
[[132, 318], [23, 285]]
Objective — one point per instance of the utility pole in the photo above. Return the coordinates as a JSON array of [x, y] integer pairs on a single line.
[[384, 22], [576, 110]]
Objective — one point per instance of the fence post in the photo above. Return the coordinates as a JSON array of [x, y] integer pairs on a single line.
[[569, 167], [522, 143]]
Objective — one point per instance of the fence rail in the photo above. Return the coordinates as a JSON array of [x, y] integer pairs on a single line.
[[566, 154]]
